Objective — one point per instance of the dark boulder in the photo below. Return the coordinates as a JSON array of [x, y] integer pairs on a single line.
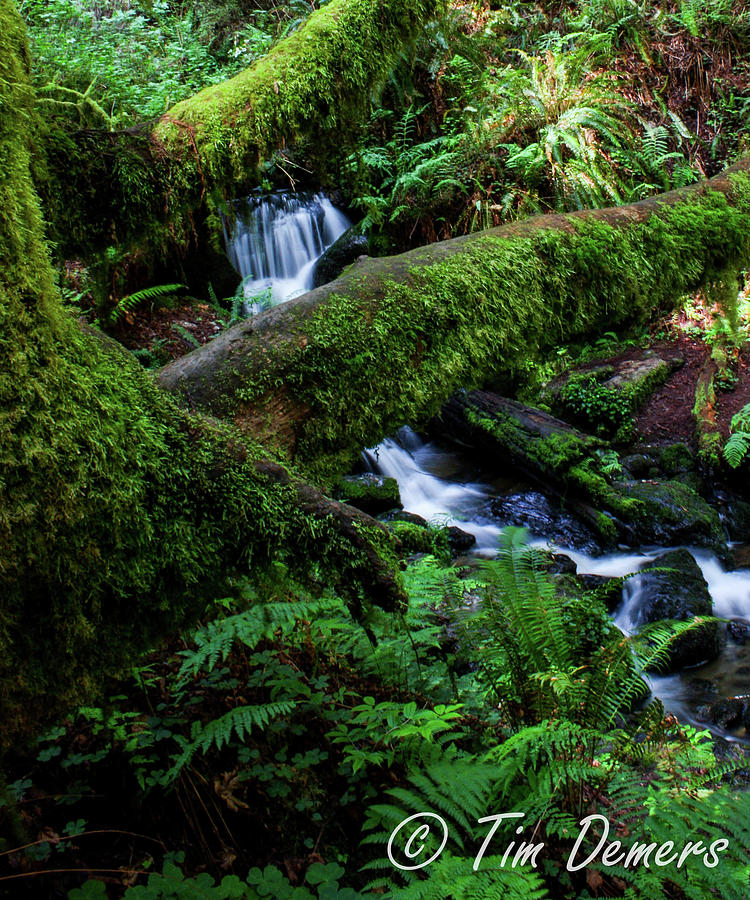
[[678, 593], [727, 713], [545, 518], [347, 249], [738, 632], [671, 512], [459, 541]]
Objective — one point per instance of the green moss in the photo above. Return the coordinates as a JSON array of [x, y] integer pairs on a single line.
[[383, 351], [119, 513], [413, 538], [371, 494], [141, 205], [676, 459], [707, 432]]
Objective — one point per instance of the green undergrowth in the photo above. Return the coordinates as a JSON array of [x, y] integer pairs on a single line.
[[119, 513], [282, 729], [607, 410]]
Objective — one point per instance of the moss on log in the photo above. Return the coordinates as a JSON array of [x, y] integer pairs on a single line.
[[120, 513], [389, 341], [155, 190], [565, 461]]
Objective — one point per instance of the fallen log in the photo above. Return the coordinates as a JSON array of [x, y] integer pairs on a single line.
[[391, 339], [565, 461]]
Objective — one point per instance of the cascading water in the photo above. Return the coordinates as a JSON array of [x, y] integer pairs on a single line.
[[420, 470], [275, 240], [431, 484]]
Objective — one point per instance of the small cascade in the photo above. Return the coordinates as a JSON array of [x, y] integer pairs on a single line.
[[435, 484], [275, 240], [423, 474]]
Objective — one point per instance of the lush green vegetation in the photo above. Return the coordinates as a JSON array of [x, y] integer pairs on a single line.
[[216, 682], [282, 725]]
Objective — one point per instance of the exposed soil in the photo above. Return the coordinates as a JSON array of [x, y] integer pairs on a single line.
[[667, 418], [169, 333]]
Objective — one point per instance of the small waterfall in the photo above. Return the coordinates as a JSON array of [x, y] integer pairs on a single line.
[[275, 241], [430, 486], [421, 470]]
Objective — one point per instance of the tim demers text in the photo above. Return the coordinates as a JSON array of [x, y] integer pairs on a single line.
[[606, 852]]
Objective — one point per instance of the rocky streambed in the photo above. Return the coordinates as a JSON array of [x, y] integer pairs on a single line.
[[606, 508]]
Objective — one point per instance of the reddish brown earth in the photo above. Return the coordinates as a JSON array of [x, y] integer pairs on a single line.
[[163, 331]]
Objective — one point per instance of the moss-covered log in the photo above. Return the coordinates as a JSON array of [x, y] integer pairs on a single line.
[[390, 340], [154, 190], [565, 461], [120, 513]]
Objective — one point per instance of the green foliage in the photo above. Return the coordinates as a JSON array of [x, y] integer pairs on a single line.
[[605, 410], [156, 292], [738, 442], [404, 177], [129, 61]]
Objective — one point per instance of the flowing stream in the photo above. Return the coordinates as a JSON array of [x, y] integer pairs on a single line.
[[438, 485], [275, 240]]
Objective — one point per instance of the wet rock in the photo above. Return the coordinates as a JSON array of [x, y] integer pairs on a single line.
[[671, 512], [738, 632], [561, 565], [739, 557], [459, 541], [371, 493], [702, 687], [401, 515], [566, 462], [640, 465], [676, 459], [680, 592], [737, 520], [347, 249], [727, 713], [532, 510]]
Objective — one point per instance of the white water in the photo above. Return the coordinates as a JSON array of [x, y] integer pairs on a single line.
[[420, 469], [431, 496], [275, 241]]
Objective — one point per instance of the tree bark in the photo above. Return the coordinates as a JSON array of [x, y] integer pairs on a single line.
[[391, 339]]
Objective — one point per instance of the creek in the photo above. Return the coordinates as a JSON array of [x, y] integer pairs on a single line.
[[447, 487], [274, 240]]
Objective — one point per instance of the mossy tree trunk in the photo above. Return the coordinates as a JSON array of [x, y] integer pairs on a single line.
[[120, 513], [155, 190], [336, 369]]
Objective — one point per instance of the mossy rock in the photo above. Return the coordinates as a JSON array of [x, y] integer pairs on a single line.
[[413, 538], [676, 459], [679, 593], [371, 493], [671, 512]]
